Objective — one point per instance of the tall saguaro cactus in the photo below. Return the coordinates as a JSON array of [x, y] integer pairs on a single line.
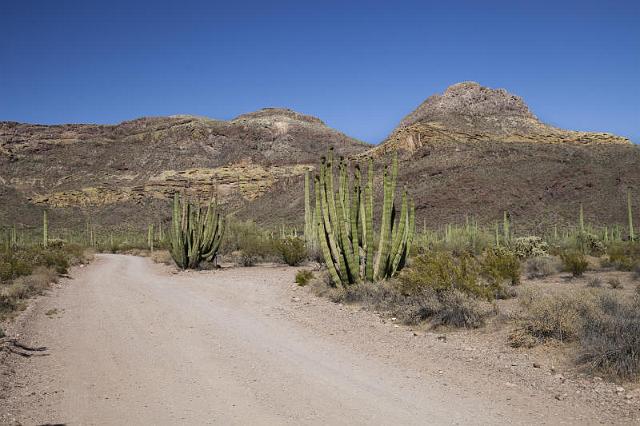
[[344, 224], [196, 232]]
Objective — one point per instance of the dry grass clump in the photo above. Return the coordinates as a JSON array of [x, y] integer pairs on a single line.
[[161, 256], [595, 282], [14, 293], [303, 277], [605, 326], [541, 267], [610, 338], [615, 283]]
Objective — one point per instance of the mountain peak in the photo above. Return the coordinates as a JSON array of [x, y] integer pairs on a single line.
[[469, 106], [273, 114]]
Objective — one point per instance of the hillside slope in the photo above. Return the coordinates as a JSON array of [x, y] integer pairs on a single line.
[[475, 151], [125, 173]]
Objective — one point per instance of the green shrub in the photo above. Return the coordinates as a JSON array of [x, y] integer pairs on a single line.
[[441, 271], [590, 244], [292, 250], [501, 265], [541, 267], [624, 256], [303, 277], [251, 243], [574, 262], [526, 247]]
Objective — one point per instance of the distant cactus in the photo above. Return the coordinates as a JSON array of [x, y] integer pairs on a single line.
[[196, 232], [632, 235], [45, 229], [344, 226], [150, 237], [505, 227]]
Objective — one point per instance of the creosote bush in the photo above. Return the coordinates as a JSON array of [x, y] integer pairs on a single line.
[[248, 243], [292, 250], [303, 277], [574, 262], [501, 265], [624, 255], [482, 277]]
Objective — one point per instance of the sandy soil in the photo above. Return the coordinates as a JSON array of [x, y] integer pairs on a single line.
[[130, 342]]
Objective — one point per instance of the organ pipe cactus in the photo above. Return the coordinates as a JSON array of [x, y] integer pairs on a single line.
[[196, 232], [344, 224]]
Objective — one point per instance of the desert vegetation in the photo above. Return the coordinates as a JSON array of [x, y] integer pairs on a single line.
[[574, 284]]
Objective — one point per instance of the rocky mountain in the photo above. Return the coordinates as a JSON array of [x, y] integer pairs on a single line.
[[476, 151], [470, 112], [125, 173], [471, 151]]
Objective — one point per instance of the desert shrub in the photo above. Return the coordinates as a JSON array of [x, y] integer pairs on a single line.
[[292, 250], [574, 262], [595, 282], [610, 338], [525, 247], [13, 293], [441, 270], [501, 265], [624, 256], [590, 244], [541, 266], [444, 307], [251, 243], [615, 283], [303, 277], [459, 309], [555, 316], [2, 334]]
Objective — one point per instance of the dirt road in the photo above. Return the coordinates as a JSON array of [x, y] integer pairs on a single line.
[[131, 343]]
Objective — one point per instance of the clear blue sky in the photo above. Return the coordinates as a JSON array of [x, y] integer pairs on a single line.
[[359, 66]]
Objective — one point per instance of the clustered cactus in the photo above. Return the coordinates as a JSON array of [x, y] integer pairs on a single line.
[[196, 232], [343, 224]]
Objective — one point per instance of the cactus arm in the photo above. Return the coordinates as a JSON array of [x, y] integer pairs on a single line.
[[369, 230], [323, 235]]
